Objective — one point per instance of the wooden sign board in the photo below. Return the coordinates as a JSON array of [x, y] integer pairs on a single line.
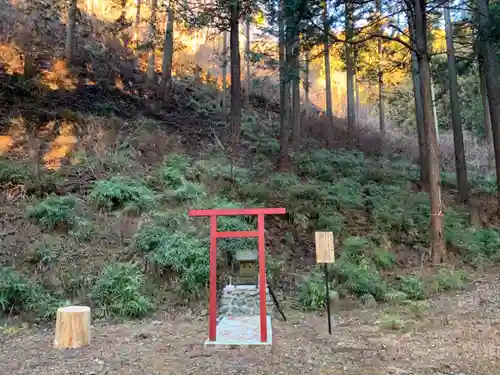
[[325, 252]]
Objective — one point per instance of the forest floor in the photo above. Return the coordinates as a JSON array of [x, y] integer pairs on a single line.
[[452, 334]]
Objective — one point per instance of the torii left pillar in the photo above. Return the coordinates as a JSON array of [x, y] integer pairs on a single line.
[[214, 235]]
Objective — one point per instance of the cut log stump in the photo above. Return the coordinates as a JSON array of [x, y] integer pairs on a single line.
[[72, 327]]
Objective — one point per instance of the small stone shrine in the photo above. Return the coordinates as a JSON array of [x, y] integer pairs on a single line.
[[243, 298]]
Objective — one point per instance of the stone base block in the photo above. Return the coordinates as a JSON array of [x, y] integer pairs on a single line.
[[240, 300]]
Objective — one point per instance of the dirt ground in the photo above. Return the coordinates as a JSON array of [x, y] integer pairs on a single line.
[[455, 334]]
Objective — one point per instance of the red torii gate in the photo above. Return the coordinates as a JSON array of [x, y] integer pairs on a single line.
[[259, 233]]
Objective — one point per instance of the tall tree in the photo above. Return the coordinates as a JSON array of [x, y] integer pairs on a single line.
[[295, 67], [456, 120], [305, 81], [248, 79], [328, 78], [168, 51], [224, 72], [488, 133], [488, 55], [70, 30], [381, 110], [349, 61], [234, 45], [151, 44], [284, 90], [438, 246]]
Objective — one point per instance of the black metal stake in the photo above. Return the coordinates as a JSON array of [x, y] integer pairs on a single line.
[[327, 300], [275, 300]]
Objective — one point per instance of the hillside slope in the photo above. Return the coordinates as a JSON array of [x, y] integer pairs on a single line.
[[95, 205]]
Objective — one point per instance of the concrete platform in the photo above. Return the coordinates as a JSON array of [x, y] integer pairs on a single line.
[[241, 330]]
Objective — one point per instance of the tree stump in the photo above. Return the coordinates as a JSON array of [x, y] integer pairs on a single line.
[[72, 327]]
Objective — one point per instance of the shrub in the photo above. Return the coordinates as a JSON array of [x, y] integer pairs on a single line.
[[188, 192], [345, 193], [413, 287], [354, 248], [477, 245], [384, 260], [54, 212], [178, 252], [360, 279], [449, 279], [15, 174], [119, 292], [121, 193], [331, 220], [19, 295], [174, 170], [312, 292]]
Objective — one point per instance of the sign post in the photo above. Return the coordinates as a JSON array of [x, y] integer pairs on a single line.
[[325, 253]]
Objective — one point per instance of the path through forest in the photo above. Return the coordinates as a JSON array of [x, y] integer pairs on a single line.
[[457, 334]]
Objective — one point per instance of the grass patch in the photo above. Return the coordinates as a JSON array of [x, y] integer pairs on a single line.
[[120, 292], [19, 295], [120, 193]]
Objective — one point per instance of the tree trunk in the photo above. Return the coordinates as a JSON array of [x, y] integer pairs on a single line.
[[438, 246], [306, 83], [295, 66], [72, 327], [357, 101], [137, 22], [234, 44], [456, 120], [70, 31], [381, 114], [351, 104], [434, 106], [419, 110], [488, 134], [248, 79], [419, 118], [151, 75], [284, 92], [328, 78], [224, 73], [168, 51], [487, 51]]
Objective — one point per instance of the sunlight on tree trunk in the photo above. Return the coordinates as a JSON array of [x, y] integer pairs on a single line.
[[456, 120]]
